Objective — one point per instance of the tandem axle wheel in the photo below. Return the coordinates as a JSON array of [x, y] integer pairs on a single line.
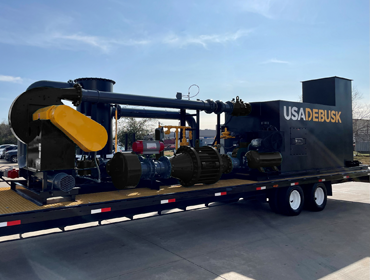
[[290, 201]]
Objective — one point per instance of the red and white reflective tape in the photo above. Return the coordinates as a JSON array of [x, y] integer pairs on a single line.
[[102, 210], [220, 193], [345, 177], [11, 223], [294, 184], [261, 188], [321, 180], [168, 201]]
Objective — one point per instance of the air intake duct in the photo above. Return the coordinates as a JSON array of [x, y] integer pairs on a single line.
[[198, 165]]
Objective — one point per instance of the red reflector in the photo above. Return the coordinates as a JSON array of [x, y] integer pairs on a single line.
[[223, 193], [172, 200], [14, 223], [275, 186], [108, 209]]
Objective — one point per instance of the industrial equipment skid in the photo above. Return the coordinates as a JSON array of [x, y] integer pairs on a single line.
[[286, 153], [19, 215]]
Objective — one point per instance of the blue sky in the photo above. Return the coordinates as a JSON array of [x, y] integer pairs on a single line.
[[258, 50]]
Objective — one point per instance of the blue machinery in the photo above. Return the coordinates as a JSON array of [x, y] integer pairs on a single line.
[[253, 141]]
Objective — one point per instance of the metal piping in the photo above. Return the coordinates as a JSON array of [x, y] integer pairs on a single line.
[[209, 106], [95, 96], [158, 114], [51, 84]]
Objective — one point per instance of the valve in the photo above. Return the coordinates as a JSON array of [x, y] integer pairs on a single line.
[[226, 134]]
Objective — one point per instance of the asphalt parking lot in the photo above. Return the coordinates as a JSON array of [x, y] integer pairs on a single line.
[[244, 240]]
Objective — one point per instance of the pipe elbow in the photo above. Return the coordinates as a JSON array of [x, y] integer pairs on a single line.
[[51, 84]]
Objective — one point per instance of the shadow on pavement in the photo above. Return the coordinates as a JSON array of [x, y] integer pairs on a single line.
[[244, 240]]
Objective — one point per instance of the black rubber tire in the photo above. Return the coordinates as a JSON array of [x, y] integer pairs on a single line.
[[284, 201], [14, 159], [311, 200], [274, 201]]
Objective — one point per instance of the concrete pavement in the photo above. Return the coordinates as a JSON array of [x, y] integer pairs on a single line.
[[244, 240]]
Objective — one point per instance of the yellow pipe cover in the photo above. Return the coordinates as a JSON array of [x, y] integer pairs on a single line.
[[89, 135]]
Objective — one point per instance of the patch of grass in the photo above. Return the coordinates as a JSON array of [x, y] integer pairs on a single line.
[[364, 158], [168, 153]]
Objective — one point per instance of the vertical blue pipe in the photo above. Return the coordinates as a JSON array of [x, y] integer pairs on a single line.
[[218, 128], [99, 112]]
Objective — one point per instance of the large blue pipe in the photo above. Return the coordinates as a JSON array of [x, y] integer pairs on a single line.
[[101, 96], [51, 84], [99, 111], [209, 106]]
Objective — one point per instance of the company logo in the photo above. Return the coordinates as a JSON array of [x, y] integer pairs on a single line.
[[315, 115]]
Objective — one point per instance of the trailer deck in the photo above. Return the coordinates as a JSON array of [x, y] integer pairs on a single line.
[[19, 215], [11, 202]]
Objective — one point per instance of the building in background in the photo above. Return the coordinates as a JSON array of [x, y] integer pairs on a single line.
[[361, 135]]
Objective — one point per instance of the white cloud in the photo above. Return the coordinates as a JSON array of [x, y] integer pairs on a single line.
[[10, 79], [267, 8], [204, 40], [84, 39], [273, 60], [52, 39], [104, 44]]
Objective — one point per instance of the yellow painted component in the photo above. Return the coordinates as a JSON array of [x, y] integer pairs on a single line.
[[183, 142], [89, 135], [226, 134], [190, 135], [177, 139], [43, 113]]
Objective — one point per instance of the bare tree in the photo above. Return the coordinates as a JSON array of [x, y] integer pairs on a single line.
[[361, 117], [6, 136], [129, 126]]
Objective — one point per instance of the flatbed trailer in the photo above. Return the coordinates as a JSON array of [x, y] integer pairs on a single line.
[[19, 215]]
